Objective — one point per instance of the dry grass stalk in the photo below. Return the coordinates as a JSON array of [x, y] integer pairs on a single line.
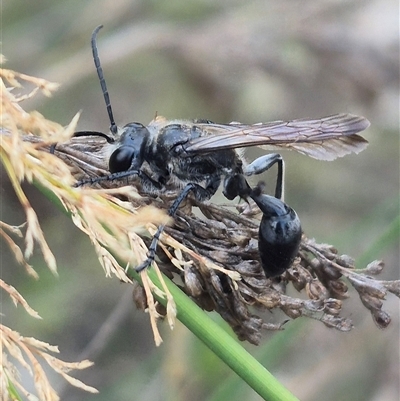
[[110, 223], [28, 352]]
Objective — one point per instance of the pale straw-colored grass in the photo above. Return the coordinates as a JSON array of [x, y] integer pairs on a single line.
[[111, 224]]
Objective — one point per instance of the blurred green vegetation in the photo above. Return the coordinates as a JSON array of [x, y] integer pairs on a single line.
[[225, 61]]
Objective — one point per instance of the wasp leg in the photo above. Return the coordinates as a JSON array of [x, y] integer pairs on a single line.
[[264, 163], [149, 184], [200, 193], [236, 185]]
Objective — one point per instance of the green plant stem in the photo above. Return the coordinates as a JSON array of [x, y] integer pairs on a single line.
[[224, 346]]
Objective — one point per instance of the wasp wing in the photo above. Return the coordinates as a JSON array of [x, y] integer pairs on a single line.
[[324, 139]]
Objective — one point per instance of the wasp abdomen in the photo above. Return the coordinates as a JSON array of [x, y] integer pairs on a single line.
[[279, 235]]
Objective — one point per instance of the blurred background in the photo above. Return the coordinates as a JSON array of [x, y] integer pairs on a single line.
[[223, 61]]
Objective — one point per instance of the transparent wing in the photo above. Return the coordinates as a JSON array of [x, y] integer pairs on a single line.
[[325, 139]]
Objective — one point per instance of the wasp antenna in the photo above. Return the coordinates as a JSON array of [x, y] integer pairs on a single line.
[[96, 59]]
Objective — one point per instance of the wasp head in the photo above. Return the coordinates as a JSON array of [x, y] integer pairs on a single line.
[[130, 154]]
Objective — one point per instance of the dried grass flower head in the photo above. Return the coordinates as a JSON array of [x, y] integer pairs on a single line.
[[109, 221]]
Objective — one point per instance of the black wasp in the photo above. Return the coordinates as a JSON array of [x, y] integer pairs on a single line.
[[197, 155]]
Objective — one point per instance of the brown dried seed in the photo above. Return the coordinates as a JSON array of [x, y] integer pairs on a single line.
[[338, 289], [375, 267], [139, 296], [333, 306], [371, 302], [315, 290], [292, 313], [331, 272], [381, 318], [192, 282]]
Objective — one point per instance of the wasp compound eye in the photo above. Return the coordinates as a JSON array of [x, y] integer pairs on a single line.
[[121, 159]]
